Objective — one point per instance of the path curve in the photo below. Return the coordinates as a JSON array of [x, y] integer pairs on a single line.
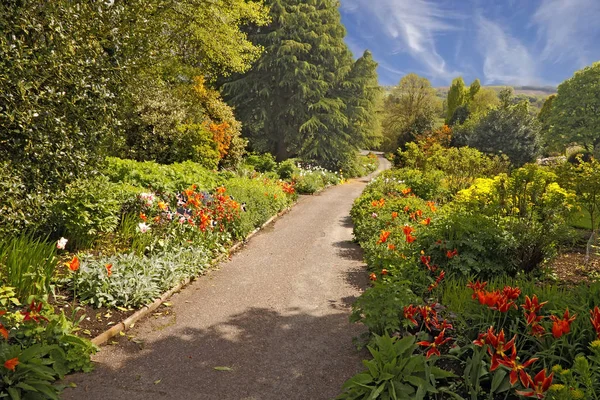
[[276, 315]]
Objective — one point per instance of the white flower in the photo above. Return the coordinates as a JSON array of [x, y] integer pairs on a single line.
[[62, 242], [143, 227], [374, 215], [182, 219], [148, 198]]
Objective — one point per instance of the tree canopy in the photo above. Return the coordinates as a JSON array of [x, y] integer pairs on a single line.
[[304, 96], [410, 109], [575, 112]]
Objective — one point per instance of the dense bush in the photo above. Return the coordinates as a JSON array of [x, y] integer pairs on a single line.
[[162, 178], [19, 209], [261, 198]]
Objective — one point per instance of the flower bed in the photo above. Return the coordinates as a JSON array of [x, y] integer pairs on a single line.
[[462, 304]]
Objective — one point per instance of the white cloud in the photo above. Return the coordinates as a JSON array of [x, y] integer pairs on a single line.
[[505, 58], [569, 29], [414, 24]]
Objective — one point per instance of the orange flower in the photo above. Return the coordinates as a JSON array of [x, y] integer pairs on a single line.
[[410, 239], [373, 277], [451, 253], [11, 364], [143, 217], [383, 237], [407, 229], [74, 264], [3, 332], [419, 213], [406, 209], [406, 191], [562, 326], [108, 269], [391, 246], [394, 215], [431, 206], [221, 190], [426, 221], [162, 205], [532, 305], [384, 272]]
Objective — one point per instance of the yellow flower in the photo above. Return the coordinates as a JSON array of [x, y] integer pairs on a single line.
[[556, 387]]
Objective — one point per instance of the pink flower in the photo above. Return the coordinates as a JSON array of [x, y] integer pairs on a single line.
[[143, 227]]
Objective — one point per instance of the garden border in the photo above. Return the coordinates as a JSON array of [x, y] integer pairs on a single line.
[[128, 322]]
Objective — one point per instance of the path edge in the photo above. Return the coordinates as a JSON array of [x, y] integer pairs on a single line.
[[130, 321]]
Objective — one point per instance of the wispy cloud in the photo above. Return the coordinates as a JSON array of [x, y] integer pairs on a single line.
[[412, 26], [505, 58], [569, 29]]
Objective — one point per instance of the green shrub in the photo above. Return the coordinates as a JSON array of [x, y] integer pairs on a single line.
[[27, 264], [87, 208], [380, 307], [162, 178], [263, 198], [138, 280], [19, 210], [262, 162], [395, 372], [286, 169]]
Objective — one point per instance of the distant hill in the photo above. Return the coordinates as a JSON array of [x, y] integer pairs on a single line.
[[543, 91]]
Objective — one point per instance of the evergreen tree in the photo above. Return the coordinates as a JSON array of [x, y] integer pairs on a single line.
[[363, 98], [290, 102], [474, 89], [456, 97]]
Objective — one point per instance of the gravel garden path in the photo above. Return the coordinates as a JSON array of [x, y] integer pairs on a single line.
[[270, 323]]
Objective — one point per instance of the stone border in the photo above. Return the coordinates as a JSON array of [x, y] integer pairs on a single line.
[[128, 322]]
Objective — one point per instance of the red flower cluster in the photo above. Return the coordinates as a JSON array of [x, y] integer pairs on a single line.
[[33, 313], [378, 203], [451, 253], [562, 326], [595, 318], [434, 346], [408, 230], [427, 261], [437, 281], [497, 300], [428, 315], [383, 237], [531, 308]]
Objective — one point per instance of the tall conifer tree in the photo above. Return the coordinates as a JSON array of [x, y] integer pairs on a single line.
[[292, 100]]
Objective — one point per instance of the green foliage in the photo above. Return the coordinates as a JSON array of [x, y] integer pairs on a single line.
[[544, 117], [138, 280], [409, 110], [27, 265], [56, 89], [529, 204], [574, 115], [310, 180], [457, 96], [19, 210], [324, 100], [379, 308], [262, 162], [163, 178], [508, 130], [584, 179], [263, 199], [395, 372], [87, 208]]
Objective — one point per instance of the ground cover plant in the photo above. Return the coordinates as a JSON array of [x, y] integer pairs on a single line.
[[465, 274]]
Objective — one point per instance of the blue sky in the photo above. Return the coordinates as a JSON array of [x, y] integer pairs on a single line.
[[518, 42]]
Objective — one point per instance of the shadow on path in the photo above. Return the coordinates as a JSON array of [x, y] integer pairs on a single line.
[[261, 350]]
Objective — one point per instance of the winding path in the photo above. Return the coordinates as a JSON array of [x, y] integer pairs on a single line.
[[275, 315]]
